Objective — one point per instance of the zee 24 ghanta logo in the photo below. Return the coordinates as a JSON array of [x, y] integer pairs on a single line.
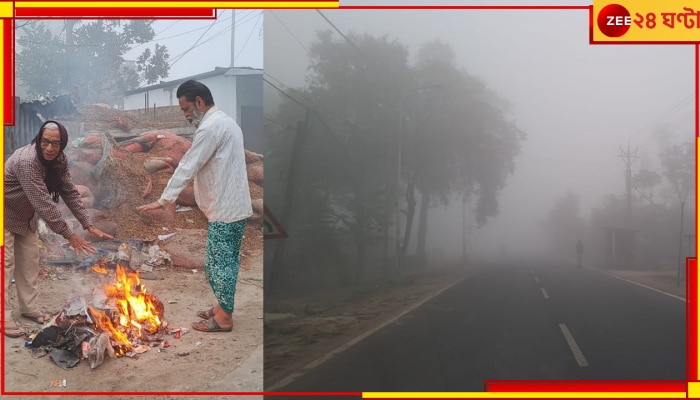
[[614, 20]]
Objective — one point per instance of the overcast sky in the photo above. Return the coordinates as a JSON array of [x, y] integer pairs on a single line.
[[198, 46], [577, 102], [202, 45]]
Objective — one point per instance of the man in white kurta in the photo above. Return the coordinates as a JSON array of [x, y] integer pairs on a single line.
[[216, 162]]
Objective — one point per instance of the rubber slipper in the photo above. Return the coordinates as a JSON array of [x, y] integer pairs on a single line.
[[209, 325], [206, 314], [14, 331], [38, 317]]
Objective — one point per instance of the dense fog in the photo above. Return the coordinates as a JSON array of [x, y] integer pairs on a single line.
[[588, 142]]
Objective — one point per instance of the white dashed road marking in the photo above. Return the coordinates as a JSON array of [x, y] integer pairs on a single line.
[[578, 354]]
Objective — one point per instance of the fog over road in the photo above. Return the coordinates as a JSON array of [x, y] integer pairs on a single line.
[[536, 320]]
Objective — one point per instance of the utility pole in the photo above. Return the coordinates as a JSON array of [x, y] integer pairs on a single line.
[[627, 157], [290, 189], [233, 36]]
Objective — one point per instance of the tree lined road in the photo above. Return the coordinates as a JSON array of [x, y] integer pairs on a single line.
[[517, 321]]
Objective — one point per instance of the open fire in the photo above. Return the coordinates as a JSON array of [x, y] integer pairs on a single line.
[[120, 318], [136, 316]]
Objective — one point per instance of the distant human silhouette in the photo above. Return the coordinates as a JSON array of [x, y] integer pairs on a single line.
[[579, 252]]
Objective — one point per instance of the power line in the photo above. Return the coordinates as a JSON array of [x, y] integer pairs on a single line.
[[198, 29], [166, 28], [228, 28], [216, 35], [354, 46], [314, 104], [193, 46], [666, 114], [155, 36], [248, 38], [289, 31], [333, 134], [285, 94], [250, 17], [278, 123], [685, 101]]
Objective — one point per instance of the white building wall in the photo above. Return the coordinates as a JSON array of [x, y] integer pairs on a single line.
[[160, 97], [223, 89]]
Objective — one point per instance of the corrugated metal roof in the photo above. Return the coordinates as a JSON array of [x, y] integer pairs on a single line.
[[228, 71]]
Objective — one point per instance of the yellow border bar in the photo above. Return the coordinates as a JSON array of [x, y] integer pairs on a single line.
[[524, 395], [204, 4], [693, 390], [7, 9]]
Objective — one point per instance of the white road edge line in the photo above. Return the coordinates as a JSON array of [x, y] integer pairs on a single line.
[[308, 367], [544, 293], [578, 354], [537, 279], [648, 287]]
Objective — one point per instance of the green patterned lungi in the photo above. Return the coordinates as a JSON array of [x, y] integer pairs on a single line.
[[223, 259]]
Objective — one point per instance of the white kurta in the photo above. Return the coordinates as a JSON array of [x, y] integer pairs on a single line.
[[216, 162]]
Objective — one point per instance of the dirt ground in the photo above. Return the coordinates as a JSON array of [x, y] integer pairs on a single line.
[[197, 361], [301, 332]]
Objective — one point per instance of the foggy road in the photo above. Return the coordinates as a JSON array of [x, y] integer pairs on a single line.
[[517, 321]]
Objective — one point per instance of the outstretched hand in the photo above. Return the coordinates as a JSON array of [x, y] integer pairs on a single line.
[[80, 245], [149, 207], [98, 233]]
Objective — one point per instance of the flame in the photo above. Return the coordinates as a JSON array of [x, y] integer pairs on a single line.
[[137, 313], [99, 269]]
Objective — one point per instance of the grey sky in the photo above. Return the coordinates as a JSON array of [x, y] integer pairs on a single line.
[[577, 102], [205, 44]]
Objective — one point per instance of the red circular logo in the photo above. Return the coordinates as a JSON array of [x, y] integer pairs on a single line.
[[614, 20]]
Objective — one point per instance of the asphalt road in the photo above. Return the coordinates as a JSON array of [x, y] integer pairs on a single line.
[[517, 321]]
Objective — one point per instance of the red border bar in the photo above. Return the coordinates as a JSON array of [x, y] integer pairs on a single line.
[[8, 67], [583, 386], [97, 12], [697, 99], [691, 309], [463, 7], [671, 386]]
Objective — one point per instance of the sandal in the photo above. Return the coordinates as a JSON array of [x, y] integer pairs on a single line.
[[209, 325], [206, 314], [13, 331], [38, 317]]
